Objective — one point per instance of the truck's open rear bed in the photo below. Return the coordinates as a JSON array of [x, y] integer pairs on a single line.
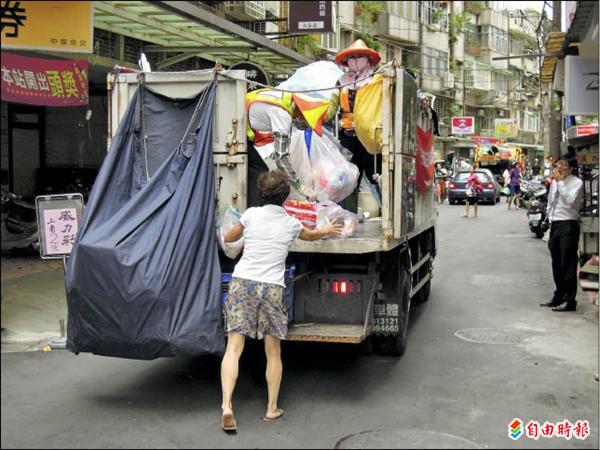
[[368, 238]]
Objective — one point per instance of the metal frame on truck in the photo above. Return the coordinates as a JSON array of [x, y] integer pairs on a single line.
[[353, 290]]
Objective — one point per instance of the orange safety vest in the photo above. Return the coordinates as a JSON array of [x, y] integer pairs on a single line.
[[278, 98], [347, 105]]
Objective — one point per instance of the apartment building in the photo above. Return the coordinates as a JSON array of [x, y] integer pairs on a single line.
[[451, 46]]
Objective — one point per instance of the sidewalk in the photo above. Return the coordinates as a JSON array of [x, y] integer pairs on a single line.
[[33, 302]]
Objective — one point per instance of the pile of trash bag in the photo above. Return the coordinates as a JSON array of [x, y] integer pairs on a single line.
[[322, 165], [327, 212]]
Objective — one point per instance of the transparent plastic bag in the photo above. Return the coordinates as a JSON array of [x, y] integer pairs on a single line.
[[347, 154], [228, 219], [334, 177], [300, 161], [317, 75], [328, 212]]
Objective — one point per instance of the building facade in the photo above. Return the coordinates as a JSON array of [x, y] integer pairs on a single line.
[[451, 46]]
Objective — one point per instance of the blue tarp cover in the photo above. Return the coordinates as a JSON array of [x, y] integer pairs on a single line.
[[143, 280]]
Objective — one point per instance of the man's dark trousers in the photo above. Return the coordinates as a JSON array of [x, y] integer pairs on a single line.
[[563, 243]]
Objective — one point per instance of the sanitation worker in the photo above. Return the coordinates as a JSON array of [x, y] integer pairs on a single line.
[[360, 62], [271, 113]]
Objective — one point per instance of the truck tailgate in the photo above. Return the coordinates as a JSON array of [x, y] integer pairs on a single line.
[[368, 238]]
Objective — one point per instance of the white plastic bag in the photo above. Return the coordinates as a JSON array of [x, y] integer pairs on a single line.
[[300, 161], [334, 177], [329, 211], [228, 219], [317, 75]]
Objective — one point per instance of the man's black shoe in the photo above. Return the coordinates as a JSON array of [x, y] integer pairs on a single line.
[[566, 306], [551, 303]]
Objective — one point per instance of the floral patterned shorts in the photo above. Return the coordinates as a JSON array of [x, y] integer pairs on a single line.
[[255, 309]]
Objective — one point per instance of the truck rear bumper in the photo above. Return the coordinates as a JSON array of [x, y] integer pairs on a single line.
[[327, 332]]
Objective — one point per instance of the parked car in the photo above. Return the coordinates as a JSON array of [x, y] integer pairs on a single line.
[[497, 184], [458, 187]]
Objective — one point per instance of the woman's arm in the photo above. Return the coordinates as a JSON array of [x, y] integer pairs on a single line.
[[234, 233], [313, 235]]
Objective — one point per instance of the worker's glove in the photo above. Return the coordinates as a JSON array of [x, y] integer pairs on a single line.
[[377, 179]]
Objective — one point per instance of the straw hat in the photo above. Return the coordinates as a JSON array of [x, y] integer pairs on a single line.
[[358, 48]]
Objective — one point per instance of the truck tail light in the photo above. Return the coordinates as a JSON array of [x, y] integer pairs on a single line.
[[341, 287]]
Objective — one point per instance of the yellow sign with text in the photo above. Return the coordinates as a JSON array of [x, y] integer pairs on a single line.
[[60, 26]]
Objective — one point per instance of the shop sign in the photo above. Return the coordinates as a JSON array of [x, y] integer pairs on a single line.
[[59, 26], [581, 86], [483, 140], [48, 82], [463, 125], [310, 17], [586, 130], [504, 128], [58, 222], [253, 73], [581, 130]]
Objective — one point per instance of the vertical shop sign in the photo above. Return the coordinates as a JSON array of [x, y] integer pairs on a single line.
[[311, 17], [48, 82], [58, 223]]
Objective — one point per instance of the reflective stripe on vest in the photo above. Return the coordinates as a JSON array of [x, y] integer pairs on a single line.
[[266, 95], [347, 120], [345, 100]]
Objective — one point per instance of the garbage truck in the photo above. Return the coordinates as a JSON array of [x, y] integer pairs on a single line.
[[357, 290]]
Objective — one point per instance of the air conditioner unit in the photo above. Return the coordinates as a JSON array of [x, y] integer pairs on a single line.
[[480, 113], [449, 80]]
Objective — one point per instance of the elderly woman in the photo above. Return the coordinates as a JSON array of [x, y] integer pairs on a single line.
[[474, 189], [254, 307]]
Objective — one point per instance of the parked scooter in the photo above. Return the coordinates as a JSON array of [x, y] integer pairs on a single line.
[[19, 224], [536, 218], [534, 189]]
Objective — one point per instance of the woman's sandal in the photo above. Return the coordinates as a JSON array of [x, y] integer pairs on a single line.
[[277, 416], [228, 423]]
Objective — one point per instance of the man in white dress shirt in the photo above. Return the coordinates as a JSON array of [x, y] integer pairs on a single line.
[[564, 202]]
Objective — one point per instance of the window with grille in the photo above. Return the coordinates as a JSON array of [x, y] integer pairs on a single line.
[[495, 38], [433, 13], [434, 62], [477, 75], [528, 120], [500, 81]]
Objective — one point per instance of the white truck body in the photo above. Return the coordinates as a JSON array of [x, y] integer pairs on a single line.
[[402, 240]]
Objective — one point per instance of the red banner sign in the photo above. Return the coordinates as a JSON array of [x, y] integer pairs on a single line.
[[483, 140], [48, 82], [586, 130]]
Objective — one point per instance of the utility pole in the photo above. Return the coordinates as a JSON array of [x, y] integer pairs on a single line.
[[464, 84], [551, 119], [420, 18]]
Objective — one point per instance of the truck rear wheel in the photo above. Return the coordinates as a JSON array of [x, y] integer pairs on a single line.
[[395, 345]]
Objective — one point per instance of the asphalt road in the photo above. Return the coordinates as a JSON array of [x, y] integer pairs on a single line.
[[448, 392]]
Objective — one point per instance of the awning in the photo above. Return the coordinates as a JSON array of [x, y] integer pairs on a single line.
[[554, 46], [190, 31]]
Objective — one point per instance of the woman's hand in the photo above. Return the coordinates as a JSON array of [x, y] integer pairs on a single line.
[[332, 228], [312, 235]]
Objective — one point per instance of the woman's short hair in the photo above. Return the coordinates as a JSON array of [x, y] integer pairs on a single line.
[[273, 188]]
